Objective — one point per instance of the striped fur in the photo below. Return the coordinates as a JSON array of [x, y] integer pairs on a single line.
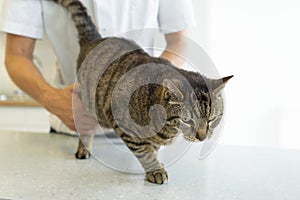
[[201, 117]]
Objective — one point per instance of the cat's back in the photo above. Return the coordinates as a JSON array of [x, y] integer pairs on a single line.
[[100, 66]]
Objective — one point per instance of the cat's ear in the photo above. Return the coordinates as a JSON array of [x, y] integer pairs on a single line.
[[172, 86], [217, 85]]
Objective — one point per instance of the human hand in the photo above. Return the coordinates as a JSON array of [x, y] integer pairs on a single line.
[[59, 102]]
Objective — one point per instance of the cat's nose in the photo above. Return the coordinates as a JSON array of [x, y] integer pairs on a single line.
[[201, 134]]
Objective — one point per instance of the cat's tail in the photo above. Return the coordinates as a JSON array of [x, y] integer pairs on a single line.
[[87, 30]]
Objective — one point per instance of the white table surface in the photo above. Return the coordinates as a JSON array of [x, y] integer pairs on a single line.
[[43, 166]]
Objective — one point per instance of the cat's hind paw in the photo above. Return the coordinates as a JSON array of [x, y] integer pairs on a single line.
[[158, 176], [82, 154]]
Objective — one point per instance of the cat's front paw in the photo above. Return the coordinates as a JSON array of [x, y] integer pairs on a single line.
[[158, 176], [82, 153]]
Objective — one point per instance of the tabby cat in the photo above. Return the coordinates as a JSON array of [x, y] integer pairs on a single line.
[[196, 113]]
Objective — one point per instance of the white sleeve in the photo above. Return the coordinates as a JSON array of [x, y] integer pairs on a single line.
[[22, 18], [175, 15]]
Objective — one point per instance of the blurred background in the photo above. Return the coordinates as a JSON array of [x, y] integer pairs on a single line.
[[257, 41]]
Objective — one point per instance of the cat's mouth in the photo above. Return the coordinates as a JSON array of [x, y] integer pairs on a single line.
[[191, 139], [195, 135]]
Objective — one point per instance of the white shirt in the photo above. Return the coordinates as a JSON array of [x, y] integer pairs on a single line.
[[37, 18]]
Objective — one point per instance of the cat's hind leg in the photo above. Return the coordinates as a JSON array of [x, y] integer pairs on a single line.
[[84, 146]]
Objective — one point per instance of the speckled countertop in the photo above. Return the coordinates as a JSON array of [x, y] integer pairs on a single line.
[[42, 166]]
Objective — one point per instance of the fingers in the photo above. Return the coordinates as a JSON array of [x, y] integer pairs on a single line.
[[85, 122], [68, 106]]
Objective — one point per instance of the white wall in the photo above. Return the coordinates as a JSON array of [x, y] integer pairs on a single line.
[[257, 41]]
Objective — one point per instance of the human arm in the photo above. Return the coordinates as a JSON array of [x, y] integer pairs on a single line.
[[176, 16], [176, 47], [20, 66]]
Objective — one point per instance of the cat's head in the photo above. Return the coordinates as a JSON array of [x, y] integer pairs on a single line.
[[198, 105]]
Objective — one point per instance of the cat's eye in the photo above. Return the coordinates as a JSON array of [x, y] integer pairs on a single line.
[[214, 118], [211, 120], [185, 119], [188, 121]]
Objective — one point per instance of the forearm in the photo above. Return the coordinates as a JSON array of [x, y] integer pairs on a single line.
[[27, 77], [173, 57], [176, 48], [20, 66]]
